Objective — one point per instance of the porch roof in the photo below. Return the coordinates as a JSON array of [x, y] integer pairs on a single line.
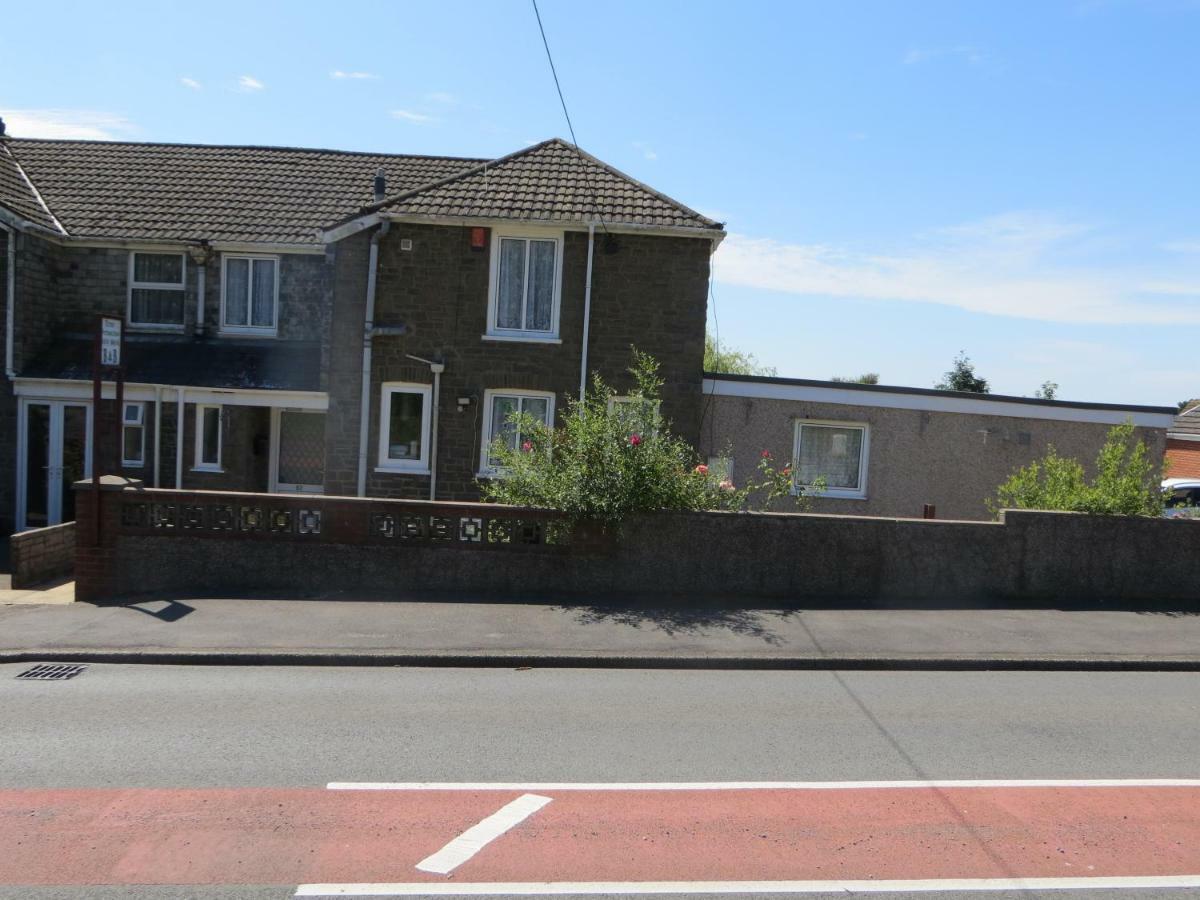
[[192, 362]]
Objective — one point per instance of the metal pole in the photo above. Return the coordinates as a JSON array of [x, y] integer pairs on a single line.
[[96, 429]]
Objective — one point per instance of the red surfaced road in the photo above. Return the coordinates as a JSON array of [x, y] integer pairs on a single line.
[[269, 836]]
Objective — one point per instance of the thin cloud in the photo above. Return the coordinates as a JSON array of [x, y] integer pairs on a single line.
[[66, 124], [248, 84], [647, 150], [406, 115], [191, 83], [1004, 266], [442, 97], [339, 75]]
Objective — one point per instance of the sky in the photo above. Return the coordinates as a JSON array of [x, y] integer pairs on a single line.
[[901, 182]]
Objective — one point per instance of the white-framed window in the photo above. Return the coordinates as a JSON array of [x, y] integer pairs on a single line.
[[525, 289], [157, 283], [208, 438], [249, 294], [499, 406], [720, 468], [639, 413], [133, 435], [404, 417], [833, 450]]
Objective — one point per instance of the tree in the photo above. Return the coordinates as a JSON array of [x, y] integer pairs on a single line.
[[718, 358], [865, 378], [1127, 483], [607, 460], [962, 377], [1048, 391]]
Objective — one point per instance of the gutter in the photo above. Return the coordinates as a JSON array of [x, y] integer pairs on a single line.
[[369, 332], [10, 305]]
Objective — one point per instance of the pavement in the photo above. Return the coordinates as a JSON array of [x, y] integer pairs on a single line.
[[273, 631]]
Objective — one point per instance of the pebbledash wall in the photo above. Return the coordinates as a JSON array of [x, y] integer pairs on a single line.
[[197, 543], [944, 448], [647, 291]]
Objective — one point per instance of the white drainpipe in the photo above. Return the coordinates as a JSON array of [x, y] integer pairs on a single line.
[[200, 276], [179, 440], [364, 411], [10, 305], [157, 431], [437, 369], [587, 311]]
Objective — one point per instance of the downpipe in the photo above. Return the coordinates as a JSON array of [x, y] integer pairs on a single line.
[[364, 410]]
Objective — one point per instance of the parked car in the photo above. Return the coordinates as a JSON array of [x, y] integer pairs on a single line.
[[1184, 499]]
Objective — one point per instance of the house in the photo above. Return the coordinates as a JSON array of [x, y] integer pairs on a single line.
[[324, 321], [890, 451], [1183, 442]]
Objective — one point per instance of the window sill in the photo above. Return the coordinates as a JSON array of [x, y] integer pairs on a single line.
[[249, 333], [396, 470], [131, 464], [521, 339], [156, 329], [836, 495], [212, 470]]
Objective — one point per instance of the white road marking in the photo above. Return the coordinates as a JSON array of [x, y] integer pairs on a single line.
[[475, 838], [545, 888], [752, 785]]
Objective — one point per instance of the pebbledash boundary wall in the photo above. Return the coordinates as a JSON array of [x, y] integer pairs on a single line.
[[198, 543]]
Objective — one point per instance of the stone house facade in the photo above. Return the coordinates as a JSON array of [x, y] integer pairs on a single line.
[[256, 286]]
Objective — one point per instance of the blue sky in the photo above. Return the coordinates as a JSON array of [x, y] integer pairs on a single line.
[[900, 181]]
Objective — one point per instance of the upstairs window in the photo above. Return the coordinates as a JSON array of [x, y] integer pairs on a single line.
[[835, 451], [249, 294], [525, 287], [156, 290]]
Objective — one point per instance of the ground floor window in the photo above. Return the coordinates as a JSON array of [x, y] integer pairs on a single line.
[[404, 427], [499, 408], [835, 451], [133, 435], [208, 438]]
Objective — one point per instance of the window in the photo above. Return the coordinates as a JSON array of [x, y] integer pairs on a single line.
[[498, 409], [404, 428], [638, 413], [524, 294], [156, 290], [249, 294], [835, 451], [208, 438], [133, 435], [720, 468]]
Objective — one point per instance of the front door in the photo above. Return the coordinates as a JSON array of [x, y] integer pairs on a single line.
[[54, 454], [298, 451]]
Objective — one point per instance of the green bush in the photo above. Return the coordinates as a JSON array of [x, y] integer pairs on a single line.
[[1127, 482], [609, 459]]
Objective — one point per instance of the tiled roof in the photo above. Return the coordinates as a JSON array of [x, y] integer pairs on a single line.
[[102, 189], [17, 195], [548, 182], [1188, 421]]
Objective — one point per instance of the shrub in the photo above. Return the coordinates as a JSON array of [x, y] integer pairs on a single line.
[[1127, 482], [609, 459]]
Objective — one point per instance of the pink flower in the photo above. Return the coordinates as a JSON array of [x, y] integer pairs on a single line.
[[726, 485], [766, 454], [701, 469], [635, 439], [527, 447], [787, 470]]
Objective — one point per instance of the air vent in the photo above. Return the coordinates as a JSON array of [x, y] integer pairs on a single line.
[[50, 672]]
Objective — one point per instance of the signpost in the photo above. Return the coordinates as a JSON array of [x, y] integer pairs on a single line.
[[108, 354]]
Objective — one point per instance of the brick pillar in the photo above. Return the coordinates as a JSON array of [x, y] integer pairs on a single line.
[[96, 578]]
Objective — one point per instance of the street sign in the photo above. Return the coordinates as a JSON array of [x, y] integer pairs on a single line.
[[110, 342]]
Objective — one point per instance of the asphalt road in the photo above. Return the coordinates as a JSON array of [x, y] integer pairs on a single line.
[[200, 727]]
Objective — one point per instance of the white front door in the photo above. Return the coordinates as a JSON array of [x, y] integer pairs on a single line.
[[54, 439], [297, 451]]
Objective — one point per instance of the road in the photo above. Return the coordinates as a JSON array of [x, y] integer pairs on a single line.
[[217, 779]]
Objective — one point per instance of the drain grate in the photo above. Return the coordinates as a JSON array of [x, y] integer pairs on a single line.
[[51, 672]]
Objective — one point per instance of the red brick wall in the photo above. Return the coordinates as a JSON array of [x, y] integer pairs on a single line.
[[1184, 457]]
